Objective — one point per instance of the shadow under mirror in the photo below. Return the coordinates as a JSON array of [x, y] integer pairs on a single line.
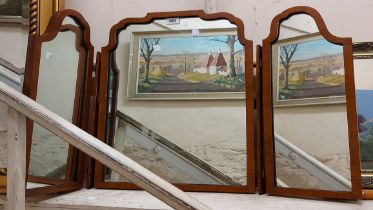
[[309, 109], [58, 89], [363, 63], [176, 90]]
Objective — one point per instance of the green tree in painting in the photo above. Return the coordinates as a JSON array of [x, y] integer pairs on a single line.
[[147, 49], [286, 54], [231, 39]]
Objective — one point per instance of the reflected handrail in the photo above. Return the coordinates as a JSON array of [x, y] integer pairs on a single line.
[[11, 67], [11, 75], [312, 165], [173, 153]]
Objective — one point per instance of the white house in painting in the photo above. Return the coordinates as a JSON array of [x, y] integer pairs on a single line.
[[205, 67], [213, 65], [218, 65]]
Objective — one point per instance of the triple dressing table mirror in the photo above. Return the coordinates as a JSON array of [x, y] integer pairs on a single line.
[[174, 91]]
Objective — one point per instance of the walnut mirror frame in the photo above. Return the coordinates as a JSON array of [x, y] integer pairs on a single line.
[[74, 171], [103, 118], [272, 187]]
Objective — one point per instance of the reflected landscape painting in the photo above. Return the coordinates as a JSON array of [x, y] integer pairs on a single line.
[[364, 105], [310, 69], [190, 64]]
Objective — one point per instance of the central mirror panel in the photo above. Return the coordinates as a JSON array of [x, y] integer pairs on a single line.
[[309, 112], [194, 141], [177, 103]]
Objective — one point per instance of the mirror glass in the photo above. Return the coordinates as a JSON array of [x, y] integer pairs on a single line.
[[69, 21], [180, 101], [309, 109], [56, 90]]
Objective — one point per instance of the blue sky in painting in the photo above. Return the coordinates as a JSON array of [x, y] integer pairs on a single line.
[[316, 48], [364, 103], [197, 44]]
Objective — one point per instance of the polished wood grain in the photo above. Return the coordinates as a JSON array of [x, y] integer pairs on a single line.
[[102, 116], [270, 172], [367, 194], [260, 181], [90, 162], [75, 163]]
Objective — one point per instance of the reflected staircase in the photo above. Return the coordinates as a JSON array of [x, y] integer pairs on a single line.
[[184, 161]]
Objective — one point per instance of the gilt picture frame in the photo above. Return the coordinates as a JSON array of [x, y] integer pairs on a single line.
[[184, 66], [307, 70]]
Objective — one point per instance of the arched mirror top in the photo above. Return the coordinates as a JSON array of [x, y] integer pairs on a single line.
[[156, 16], [312, 20], [65, 17], [62, 21]]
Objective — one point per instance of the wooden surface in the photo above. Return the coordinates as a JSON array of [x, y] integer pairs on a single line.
[[93, 118], [102, 106], [16, 176], [367, 194], [268, 133], [260, 181], [130, 199]]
